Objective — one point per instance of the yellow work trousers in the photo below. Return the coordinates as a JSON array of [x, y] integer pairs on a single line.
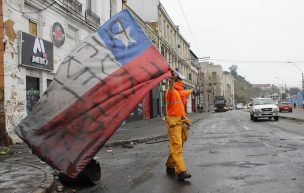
[[175, 159]]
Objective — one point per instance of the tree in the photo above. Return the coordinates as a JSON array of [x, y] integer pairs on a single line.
[[233, 70], [294, 91]]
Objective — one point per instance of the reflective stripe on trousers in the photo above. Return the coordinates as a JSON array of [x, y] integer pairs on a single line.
[[175, 159]]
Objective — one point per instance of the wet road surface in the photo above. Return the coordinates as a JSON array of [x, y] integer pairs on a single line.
[[226, 152]]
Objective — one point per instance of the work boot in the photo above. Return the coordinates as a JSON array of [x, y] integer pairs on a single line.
[[170, 171], [183, 175]]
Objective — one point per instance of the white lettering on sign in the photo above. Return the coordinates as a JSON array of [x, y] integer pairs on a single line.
[[39, 60], [38, 46]]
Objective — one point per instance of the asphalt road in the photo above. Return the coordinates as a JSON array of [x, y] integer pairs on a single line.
[[226, 153]]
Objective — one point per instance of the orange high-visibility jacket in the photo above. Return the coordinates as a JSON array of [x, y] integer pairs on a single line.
[[175, 106]]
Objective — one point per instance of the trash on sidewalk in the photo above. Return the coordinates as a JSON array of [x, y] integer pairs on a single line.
[[159, 140], [89, 176]]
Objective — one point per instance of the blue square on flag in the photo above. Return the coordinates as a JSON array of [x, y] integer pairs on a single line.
[[125, 38]]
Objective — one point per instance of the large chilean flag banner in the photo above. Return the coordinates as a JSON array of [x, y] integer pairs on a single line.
[[95, 88]]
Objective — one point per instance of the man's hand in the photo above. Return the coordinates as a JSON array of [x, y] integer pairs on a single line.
[[172, 80]]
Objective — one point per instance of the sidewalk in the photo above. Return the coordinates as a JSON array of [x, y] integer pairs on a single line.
[[23, 172], [296, 115], [144, 130]]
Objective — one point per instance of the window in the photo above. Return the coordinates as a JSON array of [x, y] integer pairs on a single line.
[[202, 77], [113, 7], [174, 40], [48, 82], [171, 37], [32, 28], [90, 13], [167, 31], [214, 76], [74, 5], [32, 93]]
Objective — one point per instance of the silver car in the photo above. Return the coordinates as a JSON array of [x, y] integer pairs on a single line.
[[264, 108]]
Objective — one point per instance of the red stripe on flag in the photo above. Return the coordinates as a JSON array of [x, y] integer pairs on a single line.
[[72, 138]]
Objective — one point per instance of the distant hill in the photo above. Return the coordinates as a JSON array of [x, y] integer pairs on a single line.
[[245, 91]]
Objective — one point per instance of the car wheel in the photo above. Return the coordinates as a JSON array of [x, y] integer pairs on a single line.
[[255, 119], [276, 118], [290, 110]]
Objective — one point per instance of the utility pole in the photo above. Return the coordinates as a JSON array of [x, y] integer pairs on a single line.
[[285, 88], [302, 81]]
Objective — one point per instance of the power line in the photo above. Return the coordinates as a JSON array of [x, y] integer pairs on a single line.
[[237, 60], [189, 26], [255, 61]]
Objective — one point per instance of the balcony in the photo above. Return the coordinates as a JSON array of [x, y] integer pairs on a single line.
[[73, 5], [92, 18]]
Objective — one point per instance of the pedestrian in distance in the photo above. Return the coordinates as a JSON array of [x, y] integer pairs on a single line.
[[176, 117]]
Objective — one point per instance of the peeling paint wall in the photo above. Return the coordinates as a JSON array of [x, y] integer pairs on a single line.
[[4, 135], [14, 81]]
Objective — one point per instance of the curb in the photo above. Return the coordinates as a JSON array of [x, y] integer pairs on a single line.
[[48, 182], [292, 118], [129, 143]]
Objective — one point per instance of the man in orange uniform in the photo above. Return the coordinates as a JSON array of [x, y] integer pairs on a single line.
[[175, 116]]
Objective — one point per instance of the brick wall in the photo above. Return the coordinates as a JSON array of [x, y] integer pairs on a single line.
[[4, 138]]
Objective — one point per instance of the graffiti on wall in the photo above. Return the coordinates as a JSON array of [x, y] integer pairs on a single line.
[[13, 107], [32, 97], [11, 122]]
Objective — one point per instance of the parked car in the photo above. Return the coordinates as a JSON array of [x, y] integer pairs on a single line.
[[239, 106], [285, 106], [264, 108]]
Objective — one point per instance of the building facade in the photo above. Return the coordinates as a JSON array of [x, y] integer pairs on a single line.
[[215, 82], [171, 44], [37, 35]]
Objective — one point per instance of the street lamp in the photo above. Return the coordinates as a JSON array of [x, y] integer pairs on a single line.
[[284, 84], [299, 70]]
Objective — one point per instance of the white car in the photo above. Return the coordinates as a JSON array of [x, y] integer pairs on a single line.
[[264, 108]]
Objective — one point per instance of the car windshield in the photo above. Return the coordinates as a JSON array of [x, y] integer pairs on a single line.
[[217, 102], [264, 101]]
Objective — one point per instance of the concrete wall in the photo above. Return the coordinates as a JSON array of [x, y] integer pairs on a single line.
[[4, 137], [147, 10], [220, 85]]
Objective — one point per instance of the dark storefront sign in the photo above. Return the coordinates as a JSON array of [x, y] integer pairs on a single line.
[[57, 34], [35, 52]]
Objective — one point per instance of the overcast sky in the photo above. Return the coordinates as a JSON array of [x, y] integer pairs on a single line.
[[257, 35]]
